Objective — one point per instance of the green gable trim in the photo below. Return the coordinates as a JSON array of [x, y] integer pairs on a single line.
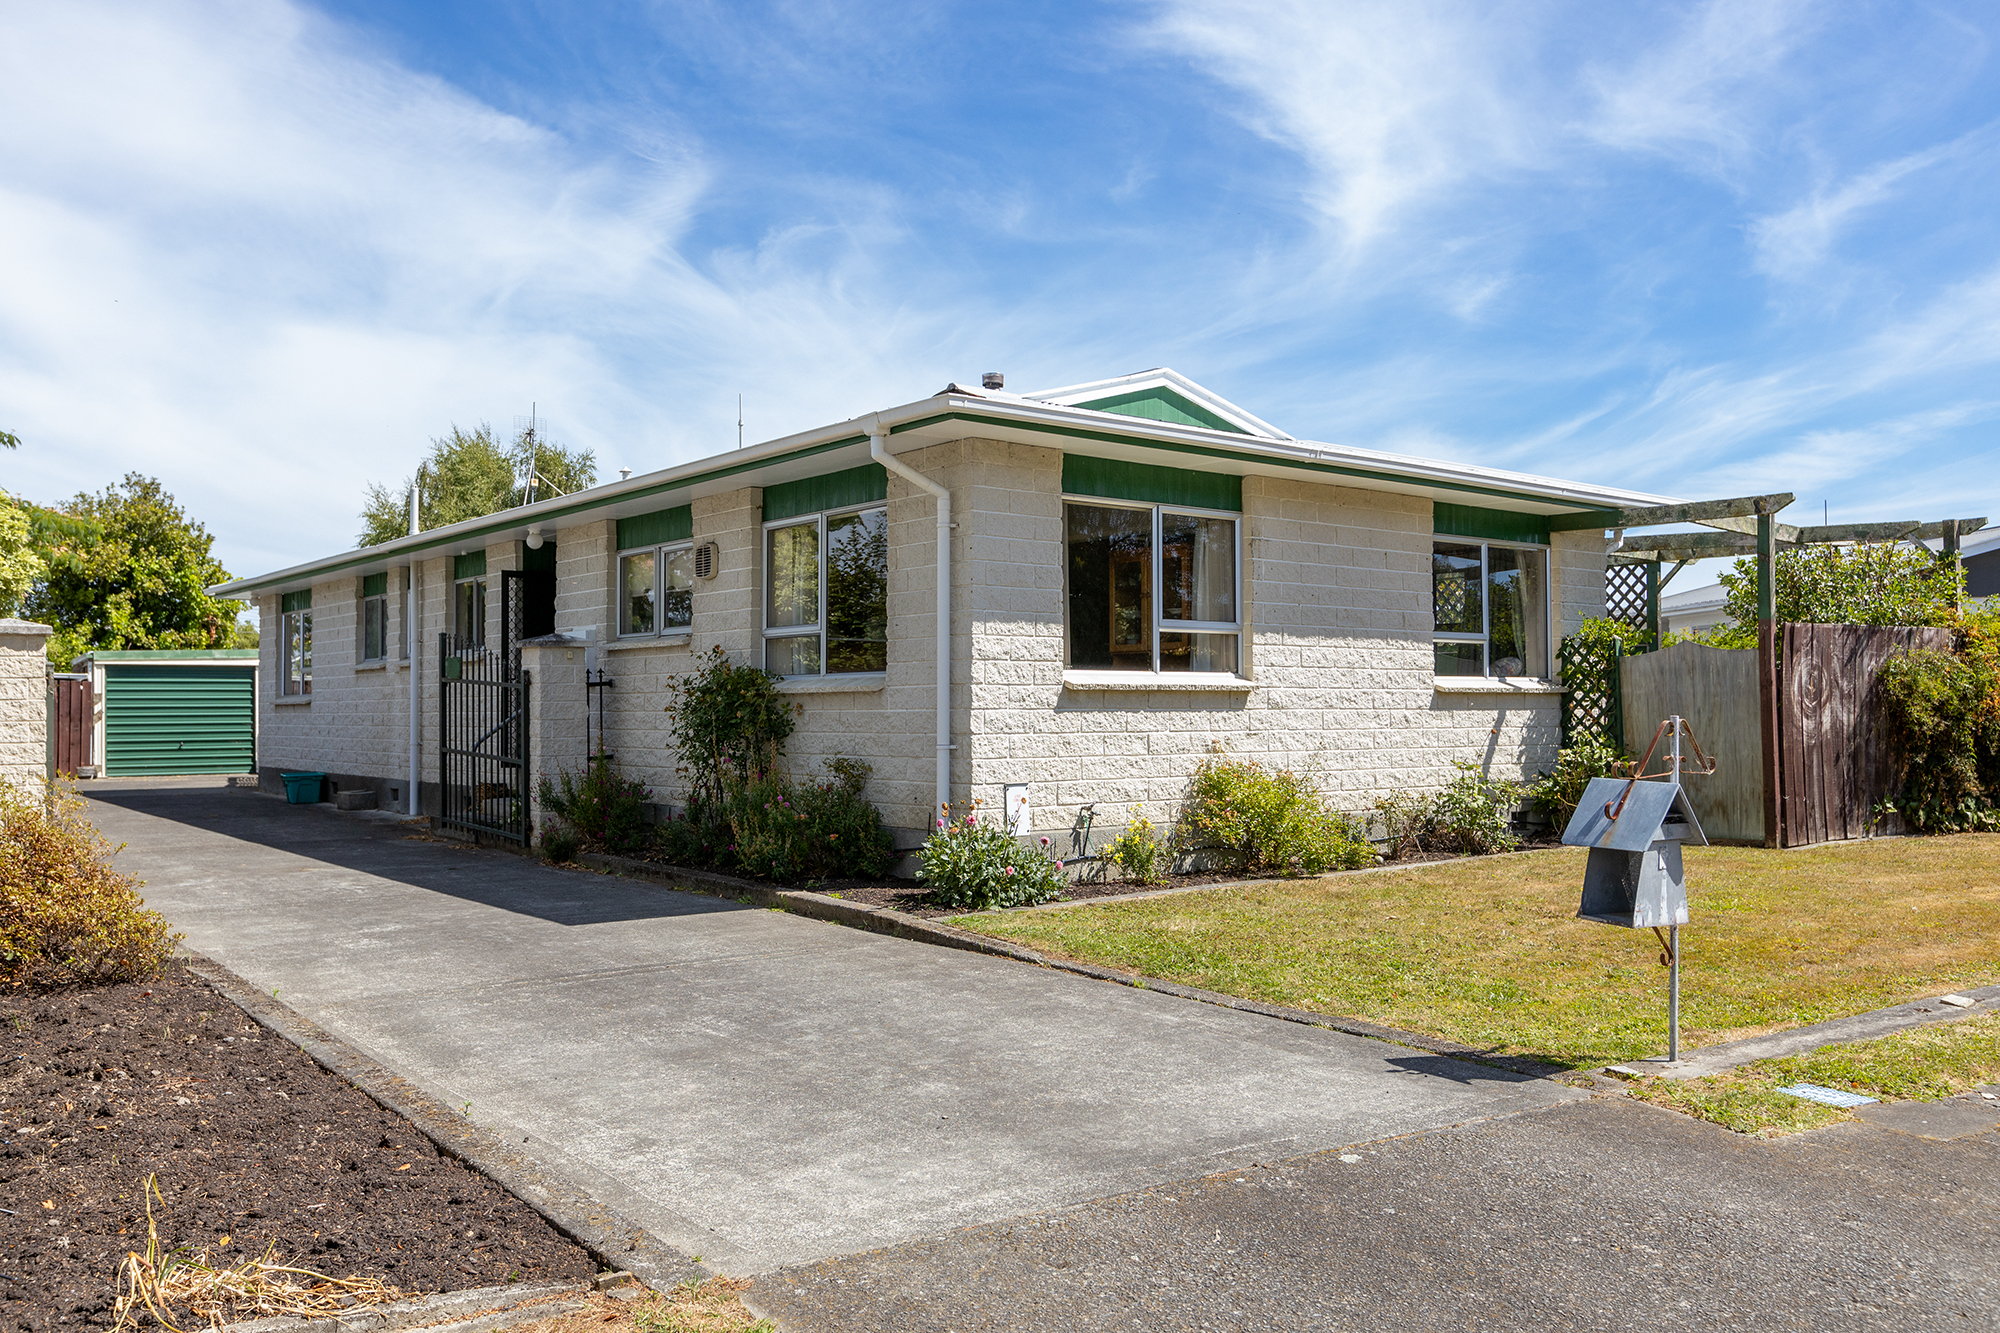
[[1118, 480], [1496, 525], [662, 525], [374, 585], [471, 565], [833, 490], [1163, 404], [297, 601]]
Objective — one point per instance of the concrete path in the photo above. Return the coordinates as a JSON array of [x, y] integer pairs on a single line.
[[756, 1088]]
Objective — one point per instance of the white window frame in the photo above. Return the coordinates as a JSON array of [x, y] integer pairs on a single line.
[[383, 656], [660, 630], [1161, 625], [818, 627], [294, 675], [1485, 636], [478, 635]]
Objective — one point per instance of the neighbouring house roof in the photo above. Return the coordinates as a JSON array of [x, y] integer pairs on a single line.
[[1694, 599], [1155, 416], [1978, 543]]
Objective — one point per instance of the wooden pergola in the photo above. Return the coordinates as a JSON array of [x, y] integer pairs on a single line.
[[1743, 526]]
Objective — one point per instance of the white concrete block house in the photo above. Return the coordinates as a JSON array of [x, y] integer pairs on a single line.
[[1141, 575]]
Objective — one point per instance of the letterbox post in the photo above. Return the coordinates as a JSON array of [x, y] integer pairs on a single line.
[[1674, 931]]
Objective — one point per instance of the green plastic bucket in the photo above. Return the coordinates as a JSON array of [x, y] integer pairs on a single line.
[[303, 788]]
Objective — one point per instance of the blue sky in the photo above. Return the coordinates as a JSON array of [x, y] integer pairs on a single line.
[[264, 251]]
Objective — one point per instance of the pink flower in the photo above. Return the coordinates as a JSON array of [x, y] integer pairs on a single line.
[[1045, 842], [1059, 865], [1010, 871]]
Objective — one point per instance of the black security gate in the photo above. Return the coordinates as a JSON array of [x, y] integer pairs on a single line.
[[483, 727]]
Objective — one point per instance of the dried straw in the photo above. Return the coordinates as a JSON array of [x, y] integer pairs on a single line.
[[158, 1280]]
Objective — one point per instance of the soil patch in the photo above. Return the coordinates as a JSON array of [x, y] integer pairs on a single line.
[[906, 895], [252, 1144]]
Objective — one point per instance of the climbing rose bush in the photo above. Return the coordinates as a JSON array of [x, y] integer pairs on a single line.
[[973, 864]]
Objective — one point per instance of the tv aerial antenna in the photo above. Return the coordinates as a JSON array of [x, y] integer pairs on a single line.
[[531, 435]]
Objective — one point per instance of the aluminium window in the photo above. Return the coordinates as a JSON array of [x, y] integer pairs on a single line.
[[1117, 555], [295, 645], [826, 593], [1490, 606], [656, 590], [468, 614], [375, 618]]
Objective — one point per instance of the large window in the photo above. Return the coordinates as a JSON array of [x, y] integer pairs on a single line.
[[1491, 608], [468, 611], [1118, 555], [656, 590], [826, 594], [295, 649]]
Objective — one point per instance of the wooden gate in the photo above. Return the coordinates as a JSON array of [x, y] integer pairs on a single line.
[[1715, 689], [76, 725], [1834, 761]]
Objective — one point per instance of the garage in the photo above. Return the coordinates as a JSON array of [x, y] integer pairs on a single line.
[[170, 712]]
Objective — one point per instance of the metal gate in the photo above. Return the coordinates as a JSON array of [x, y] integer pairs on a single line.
[[483, 728]]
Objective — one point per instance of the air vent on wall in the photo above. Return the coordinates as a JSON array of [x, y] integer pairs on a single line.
[[705, 560]]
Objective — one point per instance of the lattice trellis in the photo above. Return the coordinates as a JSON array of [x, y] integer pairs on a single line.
[[1628, 595], [1594, 707]]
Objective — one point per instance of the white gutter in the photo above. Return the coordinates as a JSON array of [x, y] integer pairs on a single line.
[[878, 449], [411, 639]]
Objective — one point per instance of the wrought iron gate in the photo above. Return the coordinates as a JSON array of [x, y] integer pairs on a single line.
[[483, 728]]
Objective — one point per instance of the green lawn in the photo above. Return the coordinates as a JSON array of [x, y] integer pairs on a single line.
[[1923, 1064], [1490, 953]]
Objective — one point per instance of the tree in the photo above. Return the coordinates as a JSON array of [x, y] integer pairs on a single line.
[[128, 569], [1880, 584], [472, 475], [20, 564]]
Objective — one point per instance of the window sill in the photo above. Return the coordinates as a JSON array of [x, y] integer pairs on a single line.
[[1202, 682], [297, 701], [1496, 685], [649, 641], [371, 666], [871, 683]]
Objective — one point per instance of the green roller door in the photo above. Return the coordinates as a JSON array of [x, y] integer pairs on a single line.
[[179, 719]]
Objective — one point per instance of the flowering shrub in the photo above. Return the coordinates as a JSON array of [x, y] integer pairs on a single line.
[[1139, 850], [1470, 817], [66, 917], [821, 829], [1273, 819], [601, 807], [974, 864]]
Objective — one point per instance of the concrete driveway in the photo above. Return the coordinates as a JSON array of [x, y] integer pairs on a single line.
[[756, 1088]]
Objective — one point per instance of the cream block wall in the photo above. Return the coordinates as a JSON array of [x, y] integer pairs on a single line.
[[24, 703]]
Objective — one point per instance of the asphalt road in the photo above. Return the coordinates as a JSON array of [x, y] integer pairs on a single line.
[[1605, 1214], [753, 1087]]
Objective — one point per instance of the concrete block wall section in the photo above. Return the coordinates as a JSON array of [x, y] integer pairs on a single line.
[[24, 704]]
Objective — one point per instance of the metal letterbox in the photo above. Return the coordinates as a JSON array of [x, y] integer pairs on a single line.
[[1634, 831]]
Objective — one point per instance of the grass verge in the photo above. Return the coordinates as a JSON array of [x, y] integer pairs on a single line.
[[1924, 1064], [1490, 953], [713, 1306]]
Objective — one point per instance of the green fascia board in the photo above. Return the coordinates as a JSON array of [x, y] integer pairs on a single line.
[[374, 585], [1586, 521], [867, 484], [1497, 525], [662, 525], [1116, 479], [471, 565], [1160, 403], [512, 521], [301, 600], [171, 655]]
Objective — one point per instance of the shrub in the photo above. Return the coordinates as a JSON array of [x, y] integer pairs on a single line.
[[807, 830], [1469, 817], [66, 917], [1944, 719], [971, 863], [604, 809], [730, 724], [1556, 792], [1271, 819], [1139, 850], [559, 842]]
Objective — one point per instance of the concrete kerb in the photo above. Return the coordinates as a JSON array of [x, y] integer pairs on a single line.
[[610, 1238], [471, 1311], [887, 921]]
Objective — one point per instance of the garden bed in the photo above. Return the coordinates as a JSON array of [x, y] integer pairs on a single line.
[[252, 1145]]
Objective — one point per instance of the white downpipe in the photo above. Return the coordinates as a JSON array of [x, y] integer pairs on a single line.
[[410, 637], [878, 449]]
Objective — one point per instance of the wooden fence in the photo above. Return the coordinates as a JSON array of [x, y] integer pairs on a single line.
[[75, 725], [1834, 763]]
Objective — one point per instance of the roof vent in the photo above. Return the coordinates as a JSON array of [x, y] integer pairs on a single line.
[[993, 379]]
